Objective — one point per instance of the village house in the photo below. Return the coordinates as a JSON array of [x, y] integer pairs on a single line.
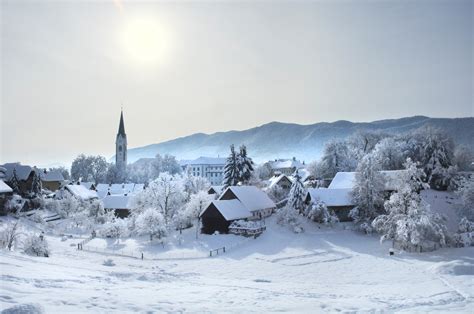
[[78, 191], [117, 203], [88, 185], [216, 190], [207, 167], [281, 180], [51, 180], [285, 166], [338, 200], [24, 175], [235, 203]]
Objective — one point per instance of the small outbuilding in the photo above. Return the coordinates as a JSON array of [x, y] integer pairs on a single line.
[[338, 200], [253, 199], [117, 203], [220, 214], [51, 180]]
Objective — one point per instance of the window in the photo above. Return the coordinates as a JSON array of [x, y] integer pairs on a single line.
[[120, 148]]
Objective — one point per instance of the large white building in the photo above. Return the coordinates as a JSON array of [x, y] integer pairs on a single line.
[[208, 167]]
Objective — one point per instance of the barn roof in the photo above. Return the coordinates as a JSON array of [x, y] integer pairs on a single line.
[[22, 171], [230, 209], [251, 197], [87, 185], [217, 188], [53, 175], [116, 202], [332, 197], [346, 180], [81, 192], [275, 179], [4, 188]]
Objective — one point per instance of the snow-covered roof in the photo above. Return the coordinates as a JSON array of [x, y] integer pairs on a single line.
[[116, 202], [3, 172], [252, 197], [102, 193], [217, 188], [81, 192], [53, 175], [4, 188], [231, 209], [203, 161], [87, 185], [332, 197], [346, 180], [282, 164], [277, 178], [22, 171], [304, 174], [138, 187], [102, 187]]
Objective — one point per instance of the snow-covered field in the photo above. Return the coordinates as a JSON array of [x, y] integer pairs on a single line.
[[317, 271]]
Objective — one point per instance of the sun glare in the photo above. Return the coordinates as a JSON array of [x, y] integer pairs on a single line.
[[144, 41]]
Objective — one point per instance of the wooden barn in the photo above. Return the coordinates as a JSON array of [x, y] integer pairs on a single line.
[[220, 214], [254, 200]]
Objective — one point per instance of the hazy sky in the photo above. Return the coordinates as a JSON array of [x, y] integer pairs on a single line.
[[182, 68]]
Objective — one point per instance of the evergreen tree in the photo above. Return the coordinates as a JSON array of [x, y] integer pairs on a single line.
[[245, 165], [36, 185], [14, 184], [297, 194], [231, 169], [368, 190]]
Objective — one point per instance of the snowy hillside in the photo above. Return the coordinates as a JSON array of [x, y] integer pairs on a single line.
[[321, 270], [284, 140]]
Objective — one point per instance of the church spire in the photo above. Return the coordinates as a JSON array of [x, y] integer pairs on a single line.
[[121, 130]]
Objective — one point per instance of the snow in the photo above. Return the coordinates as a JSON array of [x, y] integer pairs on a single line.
[[251, 197], [332, 197], [87, 185], [346, 180], [116, 202], [81, 192], [4, 188], [320, 270], [231, 209], [444, 203]]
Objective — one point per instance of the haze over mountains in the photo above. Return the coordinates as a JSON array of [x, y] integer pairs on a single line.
[[286, 140]]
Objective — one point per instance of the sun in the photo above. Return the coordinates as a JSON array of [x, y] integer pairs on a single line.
[[144, 40]]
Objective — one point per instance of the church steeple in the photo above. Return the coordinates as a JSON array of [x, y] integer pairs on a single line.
[[121, 147]]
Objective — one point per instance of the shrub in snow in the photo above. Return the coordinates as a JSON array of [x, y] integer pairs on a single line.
[[465, 234], [15, 204], [277, 193], [36, 246], [368, 190], [116, 228], [37, 217], [9, 235], [409, 222], [288, 216], [151, 222], [108, 262], [318, 212], [466, 193]]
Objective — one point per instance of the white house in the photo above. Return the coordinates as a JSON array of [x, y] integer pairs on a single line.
[[210, 168]]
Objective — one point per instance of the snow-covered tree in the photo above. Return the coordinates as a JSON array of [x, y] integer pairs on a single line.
[[368, 190], [277, 193], [151, 222], [89, 168], [194, 184], [263, 171], [14, 204], [288, 216], [231, 169], [297, 194], [245, 165], [197, 203], [116, 228], [165, 194], [14, 183], [389, 154], [409, 222], [9, 235], [36, 185], [318, 212], [463, 158], [36, 246], [466, 193], [364, 142], [336, 157]]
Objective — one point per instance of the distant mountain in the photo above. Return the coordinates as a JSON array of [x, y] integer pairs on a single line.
[[286, 140]]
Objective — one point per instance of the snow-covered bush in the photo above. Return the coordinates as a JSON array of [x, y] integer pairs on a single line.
[[465, 234], [37, 217], [409, 222], [9, 235], [277, 193], [151, 222], [15, 204], [116, 228], [27, 308], [466, 193], [108, 262], [288, 216], [318, 212], [197, 203], [36, 246]]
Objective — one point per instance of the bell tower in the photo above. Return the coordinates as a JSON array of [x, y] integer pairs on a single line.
[[121, 147]]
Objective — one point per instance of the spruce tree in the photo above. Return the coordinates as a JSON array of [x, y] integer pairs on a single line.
[[14, 184], [297, 194], [36, 185], [231, 169], [245, 165]]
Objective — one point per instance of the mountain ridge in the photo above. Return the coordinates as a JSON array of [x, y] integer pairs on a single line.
[[304, 141]]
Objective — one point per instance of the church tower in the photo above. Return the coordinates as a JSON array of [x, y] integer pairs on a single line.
[[121, 147]]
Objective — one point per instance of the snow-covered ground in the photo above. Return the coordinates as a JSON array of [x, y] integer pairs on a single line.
[[316, 271]]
